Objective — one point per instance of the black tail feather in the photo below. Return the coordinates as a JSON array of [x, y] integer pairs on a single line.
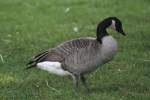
[[36, 59], [31, 64]]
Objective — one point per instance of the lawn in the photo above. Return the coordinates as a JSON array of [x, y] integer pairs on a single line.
[[30, 26]]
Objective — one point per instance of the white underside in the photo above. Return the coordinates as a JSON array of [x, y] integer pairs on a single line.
[[53, 67]]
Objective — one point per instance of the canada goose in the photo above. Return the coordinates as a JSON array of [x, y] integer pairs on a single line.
[[80, 56]]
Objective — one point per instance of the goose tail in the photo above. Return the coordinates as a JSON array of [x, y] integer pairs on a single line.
[[31, 64], [36, 59]]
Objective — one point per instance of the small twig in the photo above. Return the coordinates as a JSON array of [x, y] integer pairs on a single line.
[[36, 85], [146, 60], [51, 87], [1, 58]]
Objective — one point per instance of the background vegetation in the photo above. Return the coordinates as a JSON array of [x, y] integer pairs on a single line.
[[30, 26]]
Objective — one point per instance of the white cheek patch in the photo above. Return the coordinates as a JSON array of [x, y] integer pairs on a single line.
[[113, 26], [53, 67]]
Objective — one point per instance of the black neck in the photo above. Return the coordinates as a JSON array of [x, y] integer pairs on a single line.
[[101, 32]]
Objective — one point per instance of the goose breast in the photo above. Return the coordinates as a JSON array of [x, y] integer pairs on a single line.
[[87, 59]]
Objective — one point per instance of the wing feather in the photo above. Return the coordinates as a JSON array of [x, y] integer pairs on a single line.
[[61, 52]]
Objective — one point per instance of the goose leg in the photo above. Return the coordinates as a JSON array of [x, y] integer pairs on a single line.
[[75, 83], [84, 82]]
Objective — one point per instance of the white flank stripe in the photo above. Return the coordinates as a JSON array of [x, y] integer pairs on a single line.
[[53, 67]]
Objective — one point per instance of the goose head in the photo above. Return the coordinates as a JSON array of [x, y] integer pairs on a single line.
[[110, 22]]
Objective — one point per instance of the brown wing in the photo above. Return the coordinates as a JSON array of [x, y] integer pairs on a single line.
[[72, 46], [60, 52], [84, 59]]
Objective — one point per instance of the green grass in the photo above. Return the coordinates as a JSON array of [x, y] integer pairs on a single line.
[[30, 26]]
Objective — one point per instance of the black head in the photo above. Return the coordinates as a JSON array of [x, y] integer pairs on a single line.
[[112, 22], [117, 25]]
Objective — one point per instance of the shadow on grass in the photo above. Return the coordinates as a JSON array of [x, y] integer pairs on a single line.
[[105, 88], [55, 87], [133, 89]]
